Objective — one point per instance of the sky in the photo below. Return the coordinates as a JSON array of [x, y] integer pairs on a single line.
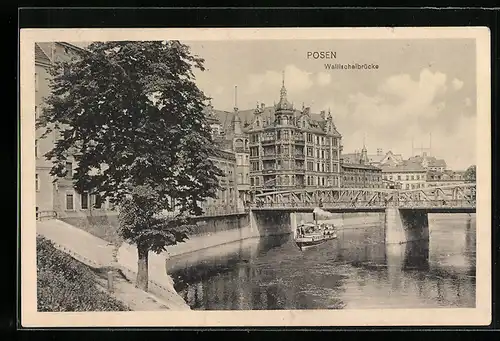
[[423, 90]]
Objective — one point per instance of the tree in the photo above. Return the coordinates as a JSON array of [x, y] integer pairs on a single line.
[[132, 116], [470, 174]]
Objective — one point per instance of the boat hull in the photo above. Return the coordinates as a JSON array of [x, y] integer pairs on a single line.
[[308, 242]]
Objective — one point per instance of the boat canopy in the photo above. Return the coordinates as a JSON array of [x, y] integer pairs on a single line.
[[322, 213]]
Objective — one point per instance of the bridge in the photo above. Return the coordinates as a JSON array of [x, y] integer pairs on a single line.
[[406, 211], [449, 198]]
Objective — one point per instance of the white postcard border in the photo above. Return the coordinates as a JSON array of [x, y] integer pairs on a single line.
[[481, 315]]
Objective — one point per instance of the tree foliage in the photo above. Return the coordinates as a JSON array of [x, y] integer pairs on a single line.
[[133, 116], [470, 173], [141, 224]]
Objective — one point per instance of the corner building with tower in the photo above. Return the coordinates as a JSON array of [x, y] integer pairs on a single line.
[[292, 148]]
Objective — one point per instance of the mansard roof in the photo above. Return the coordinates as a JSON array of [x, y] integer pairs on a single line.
[[40, 55]]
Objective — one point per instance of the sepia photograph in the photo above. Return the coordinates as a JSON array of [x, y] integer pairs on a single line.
[[246, 177]]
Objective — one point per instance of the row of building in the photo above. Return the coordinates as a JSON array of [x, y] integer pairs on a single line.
[[276, 147]]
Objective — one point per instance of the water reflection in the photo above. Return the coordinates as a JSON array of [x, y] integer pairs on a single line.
[[355, 271]]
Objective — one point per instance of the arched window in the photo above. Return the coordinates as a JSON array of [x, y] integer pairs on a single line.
[[238, 143]]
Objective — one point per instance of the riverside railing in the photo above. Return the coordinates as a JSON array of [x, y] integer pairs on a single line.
[[44, 215]]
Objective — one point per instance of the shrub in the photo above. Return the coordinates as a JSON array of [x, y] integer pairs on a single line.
[[65, 284]]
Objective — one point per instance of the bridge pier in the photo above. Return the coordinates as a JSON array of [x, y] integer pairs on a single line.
[[293, 223], [269, 223], [405, 225]]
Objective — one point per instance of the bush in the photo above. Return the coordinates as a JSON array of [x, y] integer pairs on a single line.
[[65, 284]]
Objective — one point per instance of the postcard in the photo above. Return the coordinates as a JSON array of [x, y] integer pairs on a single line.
[[247, 177]]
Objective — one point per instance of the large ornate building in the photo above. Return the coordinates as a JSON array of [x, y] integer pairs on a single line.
[[292, 148]]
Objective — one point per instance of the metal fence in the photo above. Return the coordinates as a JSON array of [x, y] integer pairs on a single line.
[[44, 215]]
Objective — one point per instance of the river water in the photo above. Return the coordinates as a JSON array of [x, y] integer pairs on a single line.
[[355, 271]]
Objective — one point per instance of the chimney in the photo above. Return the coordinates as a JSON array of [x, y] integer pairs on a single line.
[[322, 114]]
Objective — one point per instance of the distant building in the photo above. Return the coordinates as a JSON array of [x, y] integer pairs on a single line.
[[391, 159], [448, 177], [379, 159], [227, 199], [429, 162], [405, 176], [228, 128], [359, 173], [361, 176]]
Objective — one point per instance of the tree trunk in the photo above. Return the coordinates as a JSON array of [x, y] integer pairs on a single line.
[[142, 267]]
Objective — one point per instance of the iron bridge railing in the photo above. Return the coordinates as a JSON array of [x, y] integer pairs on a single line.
[[462, 203]]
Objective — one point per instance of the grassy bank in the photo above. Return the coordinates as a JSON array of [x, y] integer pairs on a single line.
[[102, 226], [65, 284]]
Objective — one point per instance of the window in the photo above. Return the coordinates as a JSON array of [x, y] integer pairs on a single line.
[[310, 166], [251, 182], [255, 165], [37, 182], [36, 81], [309, 151], [399, 177], [69, 170], [407, 186], [407, 177], [317, 167], [69, 201], [286, 134], [413, 177], [309, 137], [36, 148], [36, 113], [84, 200], [322, 154], [418, 177], [97, 201]]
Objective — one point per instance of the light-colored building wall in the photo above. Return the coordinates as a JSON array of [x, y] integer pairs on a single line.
[[55, 194], [408, 179]]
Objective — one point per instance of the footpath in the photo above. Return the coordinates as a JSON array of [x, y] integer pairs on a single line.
[[98, 253]]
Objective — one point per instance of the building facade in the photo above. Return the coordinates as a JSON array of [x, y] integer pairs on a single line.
[[437, 178], [292, 148], [379, 159], [227, 198], [359, 173], [361, 176], [57, 194], [429, 162], [405, 176]]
